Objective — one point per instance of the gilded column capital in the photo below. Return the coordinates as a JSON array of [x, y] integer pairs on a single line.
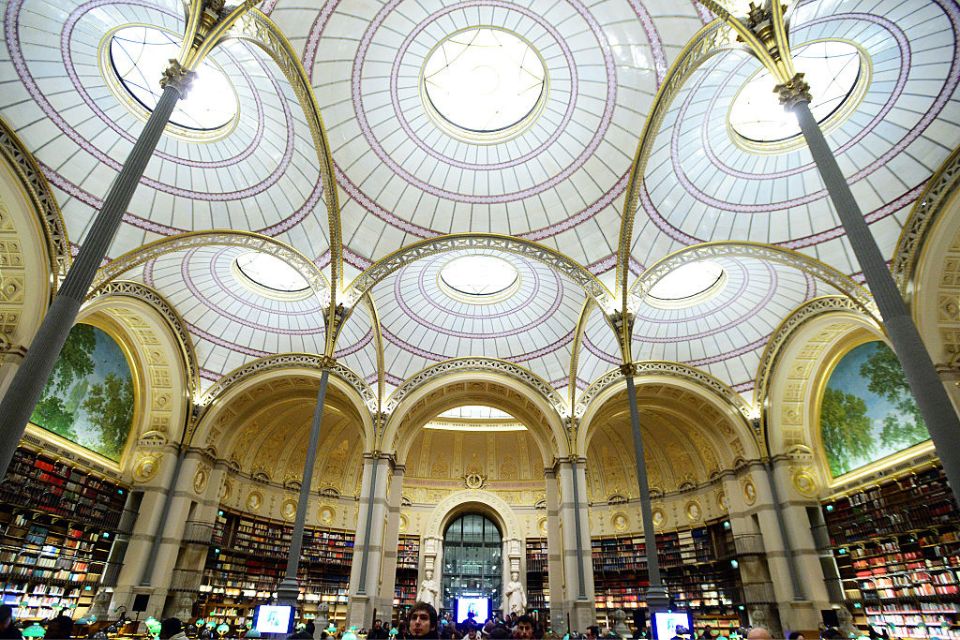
[[327, 362], [178, 77], [795, 91], [628, 369]]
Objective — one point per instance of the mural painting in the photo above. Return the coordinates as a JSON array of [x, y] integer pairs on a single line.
[[89, 397], [867, 411]]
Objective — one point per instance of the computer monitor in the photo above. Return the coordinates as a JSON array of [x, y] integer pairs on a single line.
[[665, 624], [273, 618], [480, 607]]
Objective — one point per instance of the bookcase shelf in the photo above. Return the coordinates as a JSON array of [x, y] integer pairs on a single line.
[[408, 563], [897, 548], [248, 557], [57, 522], [538, 586], [696, 569]]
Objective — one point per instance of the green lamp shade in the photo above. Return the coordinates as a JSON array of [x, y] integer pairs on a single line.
[[34, 631], [223, 628], [153, 626]]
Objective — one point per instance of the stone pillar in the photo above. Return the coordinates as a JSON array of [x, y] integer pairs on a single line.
[[11, 356], [391, 539], [368, 544], [555, 579], [577, 556]]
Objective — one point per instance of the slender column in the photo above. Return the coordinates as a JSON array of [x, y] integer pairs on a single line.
[[558, 604], [928, 390], [28, 383], [579, 598], [797, 586], [289, 589], [391, 539], [368, 544], [147, 576], [581, 580], [657, 597]]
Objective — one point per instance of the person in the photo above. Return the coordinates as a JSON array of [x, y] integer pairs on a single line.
[[378, 632], [795, 635], [472, 633], [759, 633], [7, 628], [679, 632], [172, 629], [59, 628], [707, 633], [429, 591], [524, 628], [422, 620]]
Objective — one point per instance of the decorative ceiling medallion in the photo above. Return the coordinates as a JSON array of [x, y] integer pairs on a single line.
[[474, 480], [484, 85], [479, 279], [132, 60], [687, 285], [839, 74], [271, 277]]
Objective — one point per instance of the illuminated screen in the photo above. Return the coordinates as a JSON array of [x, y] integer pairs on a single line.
[[273, 619], [665, 624], [480, 607]]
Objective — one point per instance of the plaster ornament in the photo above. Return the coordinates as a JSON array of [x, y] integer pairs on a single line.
[[327, 514], [288, 509], [694, 512], [474, 480], [658, 518], [200, 480], [254, 500], [226, 490], [722, 501], [620, 522], [542, 526], [749, 491], [146, 467], [403, 523], [804, 482]]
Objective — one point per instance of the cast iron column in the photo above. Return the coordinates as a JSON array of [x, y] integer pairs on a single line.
[[928, 390], [28, 383], [657, 597]]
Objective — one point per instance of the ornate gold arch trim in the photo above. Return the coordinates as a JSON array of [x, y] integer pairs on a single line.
[[468, 501], [454, 242], [259, 29], [669, 370], [38, 189], [460, 365], [145, 294], [575, 349], [926, 211], [710, 40], [378, 341], [196, 239]]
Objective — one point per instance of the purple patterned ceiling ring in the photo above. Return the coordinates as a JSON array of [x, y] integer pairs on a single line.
[[484, 199], [218, 259], [603, 355], [436, 357], [742, 317], [720, 299], [11, 31], [185, 273], [409, 312], [226, 344], [66, 37], [729, 355], [429, 298], [861, 132], [348, 350]]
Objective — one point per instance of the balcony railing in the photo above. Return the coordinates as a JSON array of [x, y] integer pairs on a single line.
[[198, 532]]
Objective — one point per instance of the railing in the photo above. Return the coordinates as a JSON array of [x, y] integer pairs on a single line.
[[111, 572], [749, 545], [759, 593], [198, 532], [185, 580]]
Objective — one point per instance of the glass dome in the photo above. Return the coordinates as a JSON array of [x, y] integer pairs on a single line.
[[270, 272], [687, 281], [479, 276]]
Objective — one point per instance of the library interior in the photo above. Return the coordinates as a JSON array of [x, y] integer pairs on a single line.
[[633, 317]]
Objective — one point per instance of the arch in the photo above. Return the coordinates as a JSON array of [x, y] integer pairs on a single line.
[[663, 375], [216, 401], [473, 501], [186, 241], [799, 373], [157, 362], [496, 383]]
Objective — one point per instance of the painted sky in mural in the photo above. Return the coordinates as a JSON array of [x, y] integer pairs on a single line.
[[867, 411], [89, 398]]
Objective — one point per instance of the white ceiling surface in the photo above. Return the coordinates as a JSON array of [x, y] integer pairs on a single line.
[[560, 183], [261, 177], [701, 187]]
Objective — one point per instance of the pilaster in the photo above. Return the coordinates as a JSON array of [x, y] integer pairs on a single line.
[[365, 574]]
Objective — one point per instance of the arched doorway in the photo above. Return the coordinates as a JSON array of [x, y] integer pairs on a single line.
[[472, 560]]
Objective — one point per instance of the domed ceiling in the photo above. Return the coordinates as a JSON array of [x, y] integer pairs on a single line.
[[514, 125]]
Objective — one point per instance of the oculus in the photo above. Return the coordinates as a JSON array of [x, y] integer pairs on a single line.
[[479, 279], [688, 284], [269, 275]]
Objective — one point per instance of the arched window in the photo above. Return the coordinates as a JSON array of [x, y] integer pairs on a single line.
[[472, 560]]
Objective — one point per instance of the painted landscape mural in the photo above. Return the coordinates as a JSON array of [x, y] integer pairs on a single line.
[[867, 411], [89, 398]]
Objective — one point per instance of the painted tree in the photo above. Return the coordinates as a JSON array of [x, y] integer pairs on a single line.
[[847, 436], [110, 409], [75, 363], [886, 379]]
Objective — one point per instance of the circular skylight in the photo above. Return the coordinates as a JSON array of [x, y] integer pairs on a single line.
[[687, 281], [832, 68], [270, 272], [476, 412], [139, 55], [479, 278], [484, 80]]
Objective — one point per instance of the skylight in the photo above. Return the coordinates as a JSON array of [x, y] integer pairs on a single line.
[[139, 55], [270, 272], [687, 281], [479, 276], [484, 80], [832, 68], [476, 412]]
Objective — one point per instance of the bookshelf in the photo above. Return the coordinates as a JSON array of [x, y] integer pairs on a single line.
[[696, 569], [57, 523], [408, 562], [248, 557], [538, 586], [897, 549]]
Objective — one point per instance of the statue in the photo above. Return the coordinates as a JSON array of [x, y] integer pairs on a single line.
[[516, 598], [429, 591]]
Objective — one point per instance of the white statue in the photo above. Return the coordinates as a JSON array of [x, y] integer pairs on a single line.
[[429, 591], [516, 598]]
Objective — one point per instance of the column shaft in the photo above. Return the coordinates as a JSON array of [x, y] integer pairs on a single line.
[[28, 383], [928, 390], [657, 597]]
